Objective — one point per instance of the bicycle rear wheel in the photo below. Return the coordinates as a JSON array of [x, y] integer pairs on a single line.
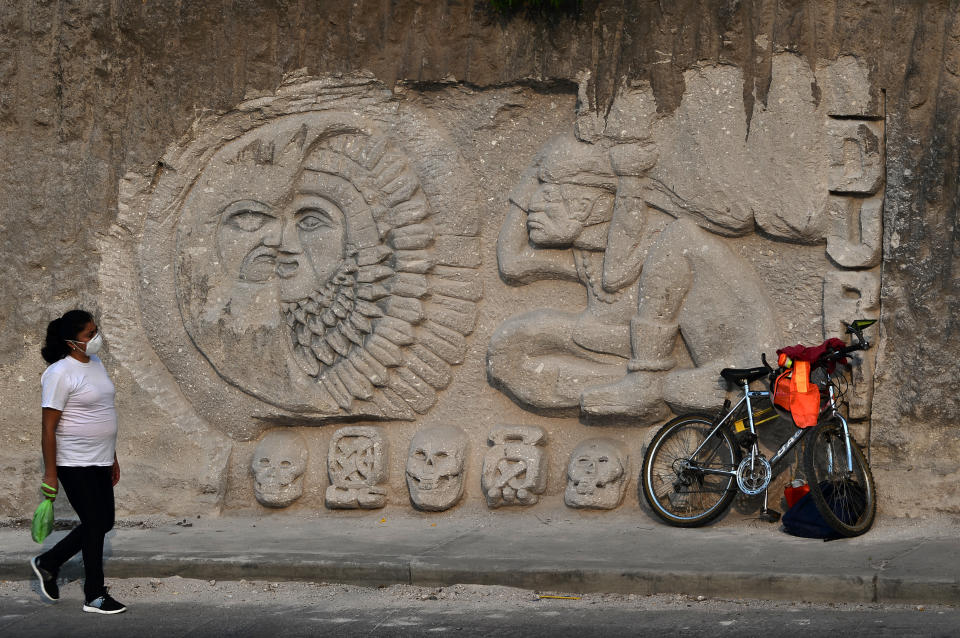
[[672, 478], [845, 499]]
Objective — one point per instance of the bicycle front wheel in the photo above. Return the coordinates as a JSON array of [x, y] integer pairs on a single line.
[[845, 497], [673, 480]]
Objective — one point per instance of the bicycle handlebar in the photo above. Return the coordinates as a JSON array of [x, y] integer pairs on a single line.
[[838, 353], [855, 328]]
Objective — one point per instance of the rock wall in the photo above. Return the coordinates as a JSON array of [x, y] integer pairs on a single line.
[[319, 239]]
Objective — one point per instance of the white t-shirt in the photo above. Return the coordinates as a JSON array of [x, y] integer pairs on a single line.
[[87, 432]]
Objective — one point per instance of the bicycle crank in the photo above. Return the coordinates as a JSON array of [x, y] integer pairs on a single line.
[[753, 475]]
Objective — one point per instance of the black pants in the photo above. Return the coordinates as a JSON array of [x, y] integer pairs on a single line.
[[90, 492]]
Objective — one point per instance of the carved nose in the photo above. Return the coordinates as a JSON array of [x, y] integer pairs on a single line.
[[290, 238]]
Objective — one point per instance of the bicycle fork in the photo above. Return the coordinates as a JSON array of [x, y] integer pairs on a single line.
[[846, 438]]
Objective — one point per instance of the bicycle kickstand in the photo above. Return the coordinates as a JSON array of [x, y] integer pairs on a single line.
[[768, 515]]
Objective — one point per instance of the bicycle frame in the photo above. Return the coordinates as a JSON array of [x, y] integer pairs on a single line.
[[749, 394]]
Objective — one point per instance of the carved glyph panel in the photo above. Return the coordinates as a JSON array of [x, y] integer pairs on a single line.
[[309, 255], [357, 467], [846, 296], [515, 466]]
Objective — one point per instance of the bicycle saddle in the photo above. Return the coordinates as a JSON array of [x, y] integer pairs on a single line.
[[740, 376]]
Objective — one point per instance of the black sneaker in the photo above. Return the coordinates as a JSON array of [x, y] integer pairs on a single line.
[[104, 605], [48, 580]]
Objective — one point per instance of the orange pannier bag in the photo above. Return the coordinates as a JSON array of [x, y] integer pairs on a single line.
[[793, 391]]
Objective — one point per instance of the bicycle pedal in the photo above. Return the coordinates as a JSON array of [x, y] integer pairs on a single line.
[[770, 516]]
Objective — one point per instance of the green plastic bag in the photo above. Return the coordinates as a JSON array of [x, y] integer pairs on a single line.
[[43, 518]]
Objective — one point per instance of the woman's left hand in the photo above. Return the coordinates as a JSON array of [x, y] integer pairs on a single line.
[[116, 471]]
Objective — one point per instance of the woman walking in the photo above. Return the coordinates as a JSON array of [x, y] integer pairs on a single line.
[[78, 440]]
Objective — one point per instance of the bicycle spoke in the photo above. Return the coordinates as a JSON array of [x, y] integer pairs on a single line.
[[677, 487], [845, 497]]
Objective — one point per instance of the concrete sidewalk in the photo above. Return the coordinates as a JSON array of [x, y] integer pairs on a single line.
[[896, 562]]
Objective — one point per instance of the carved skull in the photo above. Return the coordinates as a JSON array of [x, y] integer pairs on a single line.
[[435, 467], [278, 466], [596, 475]]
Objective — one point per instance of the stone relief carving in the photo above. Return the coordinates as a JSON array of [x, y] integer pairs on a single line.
[[514, 467], [320, 246], [435, 472], [849, 295], [357, 467], [856, 160], [279, 462], [596, 475], [644, 210], [856, 240], [657, 277]]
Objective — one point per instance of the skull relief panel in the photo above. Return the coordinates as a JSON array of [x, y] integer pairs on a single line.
[[279, 461], [515, 467], [356, 464], [596, 475], [435, 468]]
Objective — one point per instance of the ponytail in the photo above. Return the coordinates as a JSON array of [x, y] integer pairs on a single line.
[[61, 330]]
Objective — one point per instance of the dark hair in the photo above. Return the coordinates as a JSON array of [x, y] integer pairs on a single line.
[[59, 331]]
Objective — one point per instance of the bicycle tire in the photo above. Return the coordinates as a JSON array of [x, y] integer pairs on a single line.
[[846, 500], [671, 489]]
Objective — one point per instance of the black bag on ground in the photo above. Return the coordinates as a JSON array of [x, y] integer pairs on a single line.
[[804, 519]]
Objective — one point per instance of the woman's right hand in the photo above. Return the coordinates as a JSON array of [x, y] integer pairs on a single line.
[[52, 482]]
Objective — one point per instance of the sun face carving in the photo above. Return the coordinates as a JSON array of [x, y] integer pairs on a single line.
[[314, 273]]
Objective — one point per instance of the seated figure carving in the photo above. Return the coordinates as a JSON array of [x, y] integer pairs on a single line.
[[668, 303], [556, 228]]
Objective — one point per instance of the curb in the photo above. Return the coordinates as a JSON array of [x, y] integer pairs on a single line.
[[863, 587]]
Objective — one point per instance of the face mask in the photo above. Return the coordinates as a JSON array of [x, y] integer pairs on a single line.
[[93, 346]]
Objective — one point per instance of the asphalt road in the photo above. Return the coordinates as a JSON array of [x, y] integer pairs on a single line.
[[180, 607]]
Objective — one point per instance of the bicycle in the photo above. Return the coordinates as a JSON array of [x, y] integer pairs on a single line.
[[693, 466]]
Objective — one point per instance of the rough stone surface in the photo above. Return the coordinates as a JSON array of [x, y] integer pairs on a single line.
[[815, 141]]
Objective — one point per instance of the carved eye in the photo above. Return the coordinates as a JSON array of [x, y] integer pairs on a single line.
[[285, 464], [442, 455], [264, 462], [314, 219], [420, 454], [248, 220]]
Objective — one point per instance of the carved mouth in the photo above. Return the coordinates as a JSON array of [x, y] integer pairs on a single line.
[[584, 488], [287, 268], [258, 266], [425, 484], [272, 488]]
